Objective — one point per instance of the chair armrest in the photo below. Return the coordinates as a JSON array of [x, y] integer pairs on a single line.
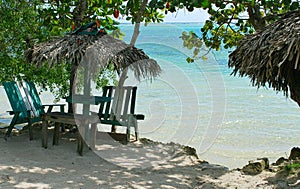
[[81, 99], [13, 112], [50, 107], [17, 112], [94, 113], [139, 116], [44, 105]]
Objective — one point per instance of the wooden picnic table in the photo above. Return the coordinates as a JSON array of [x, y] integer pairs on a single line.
[[81, 120]]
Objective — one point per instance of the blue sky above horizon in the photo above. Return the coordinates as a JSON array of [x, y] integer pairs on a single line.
[[198, 15]]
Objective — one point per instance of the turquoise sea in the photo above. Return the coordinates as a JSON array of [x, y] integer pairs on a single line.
[[201, 105], [226, 119]]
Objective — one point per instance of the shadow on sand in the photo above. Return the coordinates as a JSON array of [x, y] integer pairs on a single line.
[[25, 164]]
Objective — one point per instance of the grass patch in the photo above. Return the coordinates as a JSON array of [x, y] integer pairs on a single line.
[[289, 167], [190, 151]]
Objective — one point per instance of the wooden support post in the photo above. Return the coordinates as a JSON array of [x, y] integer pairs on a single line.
[[44, 133], [135, 124], [80, 144], [85, 134], [29, 126], [129, 121], [81, 133], [56, 133], [63, 127], [93, 135]]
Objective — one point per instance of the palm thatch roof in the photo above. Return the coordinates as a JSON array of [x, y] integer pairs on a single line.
[[100, 49], [270, 57]]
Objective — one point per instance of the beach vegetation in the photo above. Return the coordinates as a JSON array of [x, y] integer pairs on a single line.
[[229, 21], [292, 166], [25, 23]]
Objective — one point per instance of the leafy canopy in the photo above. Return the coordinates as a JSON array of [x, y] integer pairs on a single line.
[[229, 20], [26, 22]]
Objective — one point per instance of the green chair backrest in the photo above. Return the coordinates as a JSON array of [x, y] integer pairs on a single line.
[[120, 106], [23, 96], [33, 97], [16, 100]]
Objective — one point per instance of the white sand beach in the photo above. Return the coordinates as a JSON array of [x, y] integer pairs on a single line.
[[142, 164]]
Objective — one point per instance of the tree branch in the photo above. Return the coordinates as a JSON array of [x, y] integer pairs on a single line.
[[138, 23], [78, 16], [255, 17], [123, 76], [79, 12], [134, 38]]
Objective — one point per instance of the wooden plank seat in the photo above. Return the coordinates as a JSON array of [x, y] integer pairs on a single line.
[[67, 118], [82, 121], [120, 111], [117, 108], [26, 105]]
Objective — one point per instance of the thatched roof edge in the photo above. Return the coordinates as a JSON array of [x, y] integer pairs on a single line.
[[100, 50], [270, 55]]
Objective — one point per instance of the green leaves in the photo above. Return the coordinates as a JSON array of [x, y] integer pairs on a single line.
[[106, 77], [294, 6], [205, 4], [192, 41], [117, 34], [190, 60], [18, 28], [24, 23], [230, 20]]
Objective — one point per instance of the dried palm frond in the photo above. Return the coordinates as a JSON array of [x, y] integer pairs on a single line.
[[270, 57], [98, 50]]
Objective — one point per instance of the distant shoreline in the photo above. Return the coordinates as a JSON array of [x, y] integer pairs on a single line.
[[129, 23]]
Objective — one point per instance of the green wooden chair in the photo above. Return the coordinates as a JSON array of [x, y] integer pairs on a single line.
[[120, 111], [26, 105], [34, 98]]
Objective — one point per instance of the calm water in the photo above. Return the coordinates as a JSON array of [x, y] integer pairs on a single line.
[[226, 119]]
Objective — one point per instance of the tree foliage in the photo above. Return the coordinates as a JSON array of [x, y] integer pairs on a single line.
[[17, 24], [26, 22], [230, 20]]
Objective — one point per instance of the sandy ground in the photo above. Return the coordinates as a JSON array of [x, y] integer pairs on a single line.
[[142, 164]]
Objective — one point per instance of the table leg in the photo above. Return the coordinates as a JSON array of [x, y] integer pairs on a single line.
[[56, 133], [44, 134], [80, 144], [93, 135], [81, 133]]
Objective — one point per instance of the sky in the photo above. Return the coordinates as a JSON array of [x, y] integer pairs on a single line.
[[198, 15]]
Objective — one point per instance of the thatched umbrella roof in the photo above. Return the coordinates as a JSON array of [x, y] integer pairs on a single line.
[[270, 57], [100, 49]]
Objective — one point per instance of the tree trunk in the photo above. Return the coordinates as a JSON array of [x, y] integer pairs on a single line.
[[78, 16], [134, 38], [123, 77], [255, 17], [72, 90], [79, 12]]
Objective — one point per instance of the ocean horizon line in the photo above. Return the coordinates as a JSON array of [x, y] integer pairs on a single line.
[[179, 22]]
